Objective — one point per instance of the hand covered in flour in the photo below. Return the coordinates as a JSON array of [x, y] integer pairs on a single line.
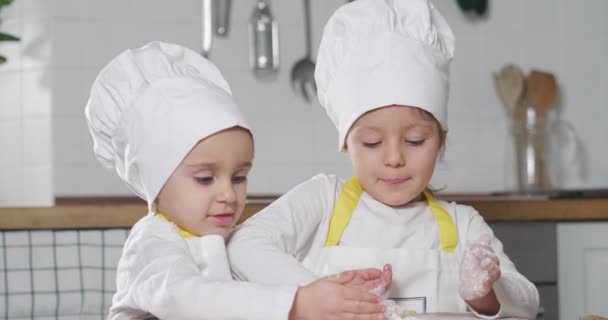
[[479, 269], [372, 280], [333, 298]]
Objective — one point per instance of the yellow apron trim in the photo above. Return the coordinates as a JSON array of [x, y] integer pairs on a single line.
[[349, 198], [343, 210], [185, 234], [448, 232]]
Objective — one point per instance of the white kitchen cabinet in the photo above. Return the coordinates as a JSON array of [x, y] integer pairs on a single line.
[[582, 250]]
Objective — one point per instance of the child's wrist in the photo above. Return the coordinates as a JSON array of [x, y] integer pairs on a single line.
[[487, 305], [293, 313]]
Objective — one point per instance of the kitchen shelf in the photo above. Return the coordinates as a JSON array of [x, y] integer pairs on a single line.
[[70, 213]]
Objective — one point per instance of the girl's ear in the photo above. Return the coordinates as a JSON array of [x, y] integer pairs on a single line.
[[444, 137], [442, 143]]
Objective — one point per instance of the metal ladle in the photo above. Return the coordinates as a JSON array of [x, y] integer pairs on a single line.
[[207, 27], [303, 72]]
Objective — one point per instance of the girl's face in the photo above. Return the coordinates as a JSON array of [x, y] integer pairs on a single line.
[[394, 150], [206, 193]]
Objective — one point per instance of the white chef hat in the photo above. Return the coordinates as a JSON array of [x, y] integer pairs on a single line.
[[376, 53], [150, 106]]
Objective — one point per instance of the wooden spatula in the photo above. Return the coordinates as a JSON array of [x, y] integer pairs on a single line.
[[510, 86], [541, 91]]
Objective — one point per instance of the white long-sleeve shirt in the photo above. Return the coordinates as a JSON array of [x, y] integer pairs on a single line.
[[162, 275], [291, 232]]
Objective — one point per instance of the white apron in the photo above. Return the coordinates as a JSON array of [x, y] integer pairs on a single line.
[[204, 250], [423, 280]]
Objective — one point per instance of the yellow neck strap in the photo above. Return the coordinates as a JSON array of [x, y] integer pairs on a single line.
[[185, 234], [349, 198]]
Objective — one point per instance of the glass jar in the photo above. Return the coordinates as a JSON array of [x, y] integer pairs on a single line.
[[542, 151]]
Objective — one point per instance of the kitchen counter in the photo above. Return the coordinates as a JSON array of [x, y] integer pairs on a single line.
[[124, 212]]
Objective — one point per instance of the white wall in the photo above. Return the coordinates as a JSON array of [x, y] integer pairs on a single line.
[[87, 35], [26, 162], [295, 140]]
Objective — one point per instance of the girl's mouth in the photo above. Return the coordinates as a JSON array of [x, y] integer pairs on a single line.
[[394, 181], [224, 219]]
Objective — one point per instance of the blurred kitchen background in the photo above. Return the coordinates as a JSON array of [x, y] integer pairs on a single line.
[[46, 150]]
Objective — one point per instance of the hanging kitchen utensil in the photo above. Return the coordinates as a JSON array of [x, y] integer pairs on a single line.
[[476, 7], [206, 27], [222, 17], [303, 72], [264, 42]]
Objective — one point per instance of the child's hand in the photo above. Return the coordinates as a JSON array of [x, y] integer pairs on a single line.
[[332, 298], [372, 280], [479, 270]]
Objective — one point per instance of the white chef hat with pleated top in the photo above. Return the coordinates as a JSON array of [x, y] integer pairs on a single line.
[[376, 53], [150, 106]]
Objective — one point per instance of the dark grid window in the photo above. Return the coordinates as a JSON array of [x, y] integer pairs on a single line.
[[58, 274]]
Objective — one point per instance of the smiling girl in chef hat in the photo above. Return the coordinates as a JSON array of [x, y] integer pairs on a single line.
[[164, 118], [383, 78]]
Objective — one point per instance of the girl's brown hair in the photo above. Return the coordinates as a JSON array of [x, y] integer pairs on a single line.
[[442, 140]]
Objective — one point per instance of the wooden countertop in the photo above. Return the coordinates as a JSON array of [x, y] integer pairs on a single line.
[[124, 212]]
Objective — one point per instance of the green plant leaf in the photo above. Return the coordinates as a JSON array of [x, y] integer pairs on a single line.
[[2, 59], [5, 2], [7, 37]]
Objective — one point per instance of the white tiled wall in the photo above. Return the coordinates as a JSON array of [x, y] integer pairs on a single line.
[[68, 41], [86, 35], [26, 161]]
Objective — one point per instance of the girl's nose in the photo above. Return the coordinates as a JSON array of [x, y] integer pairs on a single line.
[[226, 193], [395, 156]]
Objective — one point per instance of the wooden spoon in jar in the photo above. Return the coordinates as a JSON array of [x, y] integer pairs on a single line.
[[510, 86], [542, 91]]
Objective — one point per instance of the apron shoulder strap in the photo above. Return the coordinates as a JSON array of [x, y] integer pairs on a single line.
[[448, 232], [349, 198], [182, 232], [343, 210]]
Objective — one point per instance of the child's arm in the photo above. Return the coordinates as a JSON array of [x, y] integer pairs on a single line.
[[272, 238], [159, 276], [166, 282], [517, 296]]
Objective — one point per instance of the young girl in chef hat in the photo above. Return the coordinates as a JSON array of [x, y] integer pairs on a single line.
[[163, 117], [383, 77]]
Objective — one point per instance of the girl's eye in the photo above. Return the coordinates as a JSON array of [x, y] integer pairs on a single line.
[[204, 180], [239, 179], [415, 142], [371, 144]]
